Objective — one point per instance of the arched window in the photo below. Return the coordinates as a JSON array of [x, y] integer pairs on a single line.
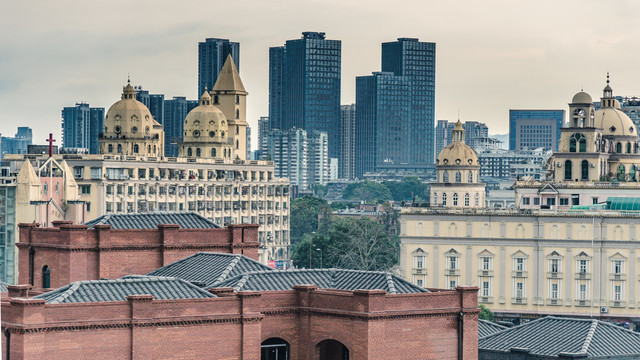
[[572, 144], [110, 148], [225, 153], [435, 198], [567, 170], [621, 173], [119, 148], [222, 134], [632, 173], [46, 277], [148, 149], [470, 176], [458, 176], [274, 349], [455, 199], [237, 144], [618, 148], [444, 199], [136, 149], [198, 152], [445, 177], [237, 114], [237, 99], [466, 199], [332, 350], [477, 200], [213, 152], [154, 149], [628, 148], [583, 144], [584, 170], [189, 152], [237, 130]]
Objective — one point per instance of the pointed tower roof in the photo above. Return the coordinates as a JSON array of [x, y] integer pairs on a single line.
[[229, 78], [27, 174]]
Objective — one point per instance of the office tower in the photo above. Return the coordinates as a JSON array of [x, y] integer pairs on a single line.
[[300, 156], [81, 126], [532, 129], [417, 61], [304, 86], [154, 102], [473, 132], [175, 111], [263, 131], [248, 140], [347, 141], [17, 144], [383, 121], [212, 54]]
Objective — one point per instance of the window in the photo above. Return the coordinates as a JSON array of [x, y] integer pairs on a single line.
[[564, 201], [458, 176], [526, 201], [621, 174], [628, 148], [136, 149], [455, 199], [617, 266], [551, 201], [519, 264], [485, 263], [445, 177], [85, 189], [477, 200], [46, 277], [582, 266], [554, 290], [536, 201], [452, 262], [109, 189], [567, 170], [119, 148], [198, 152], [189, 152], [584, 170], [88, 206], [486, 288], [619, 148], [237, 99], [519, 288], [110, 148], [418, 262], [213, 152], [444, 199], [466, 199], [617, 292], [470, 177], [96, 173], [78, 172], [453, 283], [554, 265], [582, 292], [575, 199]]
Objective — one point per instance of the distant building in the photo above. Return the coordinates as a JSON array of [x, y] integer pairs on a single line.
[[248, 139], [532, 129], [155, 103], [81, 126], [416, 60], [300, 156], [212, 53], [347, 141], [175, 111], [474, 132], [17, 144], [263, 132], [503, 164], [304, 86]]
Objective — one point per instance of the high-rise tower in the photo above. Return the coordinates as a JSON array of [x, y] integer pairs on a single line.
[[212, 54]]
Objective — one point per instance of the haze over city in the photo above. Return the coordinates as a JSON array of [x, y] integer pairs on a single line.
[[491, 56]]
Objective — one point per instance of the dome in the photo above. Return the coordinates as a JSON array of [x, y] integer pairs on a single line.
[[582, 98], [204, 123], [129, 117], [457, 153], [613, 121]]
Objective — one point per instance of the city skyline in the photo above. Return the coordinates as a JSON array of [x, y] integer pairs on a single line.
[[522, 56]]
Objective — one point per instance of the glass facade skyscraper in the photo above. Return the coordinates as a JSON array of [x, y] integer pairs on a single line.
[[304, 86], [211, 56], [383, 121], [532, 129], [154, 102], [417, 61], [18, 144], [81, 126], [175, 111]]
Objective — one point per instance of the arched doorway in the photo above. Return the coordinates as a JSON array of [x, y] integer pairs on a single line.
[[46, 277], [332, 350], [274, 349]]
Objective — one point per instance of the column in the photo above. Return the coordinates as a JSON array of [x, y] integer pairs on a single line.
[[503, 274]]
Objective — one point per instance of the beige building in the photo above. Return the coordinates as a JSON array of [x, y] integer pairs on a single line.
[[457, 175], [526, 265]]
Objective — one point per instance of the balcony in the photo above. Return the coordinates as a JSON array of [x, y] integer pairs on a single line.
[[519, 274], [454, 272], [419, 271], [554, 275], [485, 272], [617, 277], [583, 276], [519, 301]]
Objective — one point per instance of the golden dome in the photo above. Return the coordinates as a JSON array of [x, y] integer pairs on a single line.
[[613, 121], [582, 98], [457, 153], [129, 117], [204, 123]]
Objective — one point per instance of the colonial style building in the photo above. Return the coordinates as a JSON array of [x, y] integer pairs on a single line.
[[457, 175]]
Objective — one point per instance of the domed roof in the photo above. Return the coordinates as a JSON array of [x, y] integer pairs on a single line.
[[613, 121], [582, 98], [205, 120], [129, 116], [457, 153]]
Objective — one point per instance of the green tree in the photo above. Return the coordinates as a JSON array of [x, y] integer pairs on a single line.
[[304, 216], [301, 255], [409, 188], [339, 205], [367, 191], [319, 190], [486, 314]]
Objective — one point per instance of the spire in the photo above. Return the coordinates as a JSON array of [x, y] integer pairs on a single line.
[[205, 99], [128, 92], [458, 132], [229, 78], [607, 93]]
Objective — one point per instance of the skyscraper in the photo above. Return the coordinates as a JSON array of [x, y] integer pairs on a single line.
[[531, 129], [473, 131], [304, 86], [17, 144], [212, 54], [175, 111], [347, 141], [383, 121], [154, 102], [81, 126], [417, 61]]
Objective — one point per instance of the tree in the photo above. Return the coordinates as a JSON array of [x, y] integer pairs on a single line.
[[409, 188], [367, 191], [301, 255], [339, 205], [486, 314], [304, 216], [319, 190]]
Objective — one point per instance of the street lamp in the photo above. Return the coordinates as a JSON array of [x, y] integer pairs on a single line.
[[320, 257]]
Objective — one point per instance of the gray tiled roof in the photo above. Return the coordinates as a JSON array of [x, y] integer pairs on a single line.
[[486, 327], [323, 278], [206, 268], [118, 290], [186, 220], [551, 336]]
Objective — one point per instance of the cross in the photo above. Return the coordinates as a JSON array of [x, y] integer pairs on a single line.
[[50, 141]]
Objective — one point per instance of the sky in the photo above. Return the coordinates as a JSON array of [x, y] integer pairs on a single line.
[[492, 55]]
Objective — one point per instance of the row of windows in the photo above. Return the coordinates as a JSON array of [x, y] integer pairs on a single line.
[[454, 199]]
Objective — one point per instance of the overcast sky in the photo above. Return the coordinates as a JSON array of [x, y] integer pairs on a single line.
[[492, 55]]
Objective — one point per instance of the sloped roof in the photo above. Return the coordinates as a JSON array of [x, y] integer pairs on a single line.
[[623, 203], [551, 336], [206, 268], [186, 220], [3, 286], [118, 290], [486, 328], [324, 278], [229, 78]]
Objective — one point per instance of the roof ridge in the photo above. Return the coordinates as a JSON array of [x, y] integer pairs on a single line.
[[66, 293], [392, 287], [590, 333], [232, 264], [242, 282]]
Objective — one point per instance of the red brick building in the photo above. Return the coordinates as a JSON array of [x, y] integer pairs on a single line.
[[113, 246]]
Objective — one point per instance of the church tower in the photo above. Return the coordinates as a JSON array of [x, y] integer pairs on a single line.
[[229, 95]]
